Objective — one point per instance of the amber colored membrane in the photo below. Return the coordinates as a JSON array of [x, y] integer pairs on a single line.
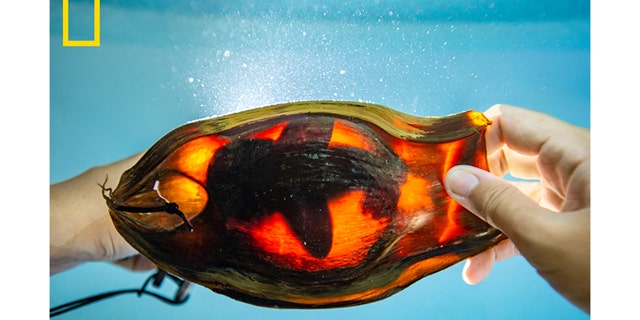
[[424, 144]]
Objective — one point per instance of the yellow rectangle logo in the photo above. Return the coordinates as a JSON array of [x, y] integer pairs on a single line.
[[96, 27]]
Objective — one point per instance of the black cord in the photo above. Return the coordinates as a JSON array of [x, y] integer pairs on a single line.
[[180, 297]]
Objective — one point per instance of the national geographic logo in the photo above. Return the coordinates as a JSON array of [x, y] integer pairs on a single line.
[[66, 42]]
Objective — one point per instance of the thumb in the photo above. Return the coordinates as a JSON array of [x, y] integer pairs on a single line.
[[495, 200], [557, 245]]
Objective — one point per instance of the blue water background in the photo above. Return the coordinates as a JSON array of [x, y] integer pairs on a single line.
[[163, 63]]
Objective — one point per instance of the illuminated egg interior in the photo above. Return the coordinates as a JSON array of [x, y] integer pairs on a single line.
[[305, 205]]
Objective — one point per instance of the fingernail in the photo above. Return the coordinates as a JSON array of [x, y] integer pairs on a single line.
[[460, 182]]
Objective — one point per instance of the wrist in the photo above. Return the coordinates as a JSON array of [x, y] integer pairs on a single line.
[[80, 227]]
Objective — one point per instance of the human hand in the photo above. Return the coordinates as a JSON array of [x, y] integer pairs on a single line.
[[80, 226], [548, 221]]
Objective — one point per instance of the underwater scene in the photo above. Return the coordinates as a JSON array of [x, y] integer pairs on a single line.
[[161, 64]]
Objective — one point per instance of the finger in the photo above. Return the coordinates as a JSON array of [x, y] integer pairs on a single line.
[[524, 130], [540, 195], [505, 250], [478, 267], [505, 160], [533, 189], [502, 159], [549, 142]]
